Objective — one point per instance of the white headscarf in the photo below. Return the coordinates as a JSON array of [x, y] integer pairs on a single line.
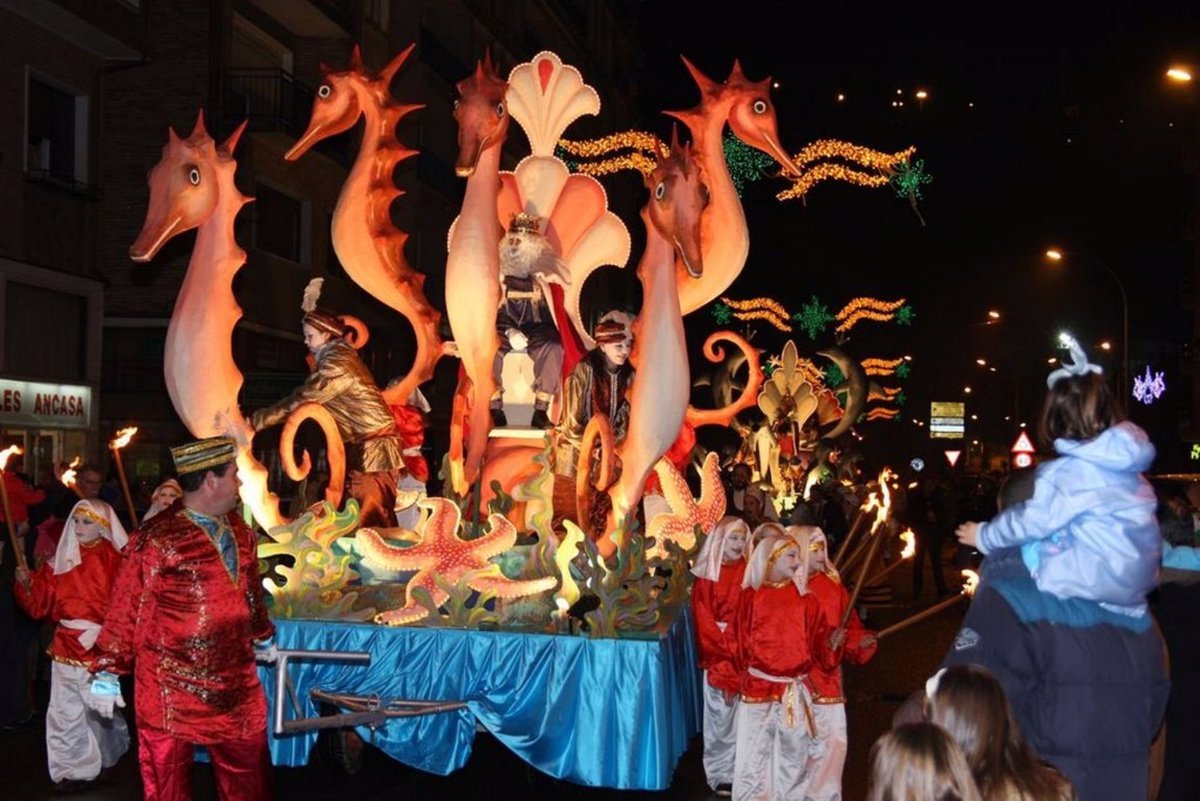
[[767, 529], [824, 562], [68, 557], [765, 553], [156, 503], [802, 534], [712, 552]]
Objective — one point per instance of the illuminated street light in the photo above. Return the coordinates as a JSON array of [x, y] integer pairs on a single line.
[[1053, 254], [922, 94], [995, 315], [974, 417], [1052, 360], [1106, 345], [967, 390], [981, 362], [991, 369], [908, 358], [841, 98], [1179, 75]]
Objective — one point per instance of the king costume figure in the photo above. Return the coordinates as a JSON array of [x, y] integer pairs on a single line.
[[187, 615], [345, 387], [526, 319]]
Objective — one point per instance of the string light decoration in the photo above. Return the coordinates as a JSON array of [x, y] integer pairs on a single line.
[[905, 315], [1149, 389], [813, 317], [900, 398], [865, 167], [908, 178], [760, 309], [834, 377], [882, 413], [746, 164], [903, 370], [606, 145], [722, 313], [881, 367], [866, 309], [634, 161]]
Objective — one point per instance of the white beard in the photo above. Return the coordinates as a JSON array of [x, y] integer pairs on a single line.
[[531, 255]]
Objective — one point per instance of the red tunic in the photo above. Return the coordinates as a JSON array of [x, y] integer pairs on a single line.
[[188, 626], [832, 596], [79, 594], [781, 633], [715, 602]]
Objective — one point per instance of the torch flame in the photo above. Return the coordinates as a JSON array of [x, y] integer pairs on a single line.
[[884, 507], [122, 437], [910, 544], [11, 450], [68, 476], [970, 582]]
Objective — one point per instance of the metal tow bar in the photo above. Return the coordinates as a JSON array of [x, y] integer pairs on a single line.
[[365, 710]]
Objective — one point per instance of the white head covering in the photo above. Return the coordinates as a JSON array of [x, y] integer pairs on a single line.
[[824, 562], [767, 529], [802, 534], [710, 558], [68, 557], [1078, 365], [765, 553], [157, 504]]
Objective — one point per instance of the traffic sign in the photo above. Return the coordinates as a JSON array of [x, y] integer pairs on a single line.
[[952, 457], [1023, 444]]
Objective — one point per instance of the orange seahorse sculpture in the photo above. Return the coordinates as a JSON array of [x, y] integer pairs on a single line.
[[659, 396], [473, 264], [725, 239], [366, 241], [192, 186]]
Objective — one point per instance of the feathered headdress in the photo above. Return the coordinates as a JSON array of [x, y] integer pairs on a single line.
[[318, 319], [1079, 365]]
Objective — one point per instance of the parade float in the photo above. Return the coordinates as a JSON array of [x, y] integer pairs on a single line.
[[543, 593]]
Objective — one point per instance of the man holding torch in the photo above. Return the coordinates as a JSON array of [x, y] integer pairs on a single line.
[[187, 615]]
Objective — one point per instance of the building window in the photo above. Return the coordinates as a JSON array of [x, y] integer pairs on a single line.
[[44, 333], [57, 132], [278, 223]]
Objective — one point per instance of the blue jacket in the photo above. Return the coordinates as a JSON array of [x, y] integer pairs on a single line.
[[1088, 686], [1089, 531]]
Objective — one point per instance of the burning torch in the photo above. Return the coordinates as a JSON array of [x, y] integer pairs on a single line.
[[119, 441], [970, 582], [68, 477], [881, 516], [910, 547]]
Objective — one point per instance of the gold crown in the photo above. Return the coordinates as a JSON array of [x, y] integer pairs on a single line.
[[528, 223], [203, 454]]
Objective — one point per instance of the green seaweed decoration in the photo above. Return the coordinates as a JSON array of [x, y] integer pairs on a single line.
[[627, 593], [538, 495], [460, 612], [314, 586]]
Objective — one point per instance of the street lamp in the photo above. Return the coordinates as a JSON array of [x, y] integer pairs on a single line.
[[1056, 255], [1179, 75]]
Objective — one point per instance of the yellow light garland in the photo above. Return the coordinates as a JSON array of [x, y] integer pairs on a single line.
[[874, 304], [848, 151], [882, 414], [634, 161], [762, 314], [830, 172], [863, 314], [877, 362], [625, 140], [754, 304]]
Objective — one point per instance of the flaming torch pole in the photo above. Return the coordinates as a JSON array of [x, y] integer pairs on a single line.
[[68, 477], [12, 450], [119, 441], [971, 581], [881, 516], [910, 548]]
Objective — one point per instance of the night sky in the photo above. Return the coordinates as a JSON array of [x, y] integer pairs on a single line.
[[1075, 139]]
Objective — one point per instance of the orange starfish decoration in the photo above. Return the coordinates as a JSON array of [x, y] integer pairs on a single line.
[[442, 553], [686, 512]]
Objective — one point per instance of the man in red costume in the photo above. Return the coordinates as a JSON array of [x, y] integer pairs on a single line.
[[187, 612]]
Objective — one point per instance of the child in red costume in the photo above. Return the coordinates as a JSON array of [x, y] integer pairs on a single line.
[[858, 645], [719, 570], [74, 590], [781, 636]]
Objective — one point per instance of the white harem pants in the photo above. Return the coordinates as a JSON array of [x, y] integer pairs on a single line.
[[828, 757], [79, 743], [773, 745], [720, 735]]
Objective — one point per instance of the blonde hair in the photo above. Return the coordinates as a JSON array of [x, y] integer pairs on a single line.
[[970, 704], [919, 762]]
